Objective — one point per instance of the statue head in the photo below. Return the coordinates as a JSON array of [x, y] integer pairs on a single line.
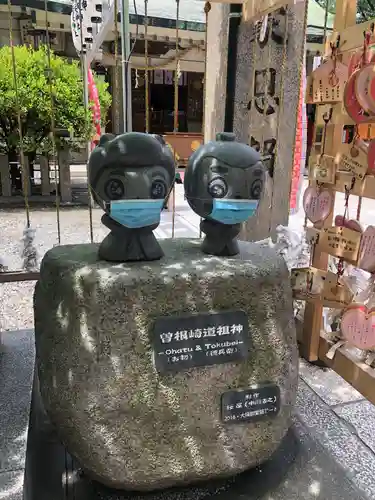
[[130, 176], [224, 181]]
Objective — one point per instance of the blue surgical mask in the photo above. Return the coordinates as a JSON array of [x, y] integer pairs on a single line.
[[135, 214], [232, 212]]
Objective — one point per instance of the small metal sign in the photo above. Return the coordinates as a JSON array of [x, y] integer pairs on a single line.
[[184, 342], [257, 403]]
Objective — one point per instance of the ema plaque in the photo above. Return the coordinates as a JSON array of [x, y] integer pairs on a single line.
[[257, 403], [184, 342]]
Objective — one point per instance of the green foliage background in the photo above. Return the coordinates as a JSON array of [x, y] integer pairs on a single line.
[[365, 8], [35, 100]]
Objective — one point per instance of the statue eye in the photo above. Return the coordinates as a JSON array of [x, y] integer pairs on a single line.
[[114, 189], [217, 188], [256, 189], [158, 190]]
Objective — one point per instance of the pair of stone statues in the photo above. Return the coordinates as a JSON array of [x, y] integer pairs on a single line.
[[160, 372], [131, 175]]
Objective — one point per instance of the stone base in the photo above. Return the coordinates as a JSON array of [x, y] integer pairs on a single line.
[[130, 427]]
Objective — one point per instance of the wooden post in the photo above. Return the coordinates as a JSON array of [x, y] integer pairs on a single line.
[[6, 185], [44, 174], [64, 176], [345, 16]]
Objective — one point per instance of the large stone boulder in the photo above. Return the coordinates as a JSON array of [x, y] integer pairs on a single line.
[[105, 363]]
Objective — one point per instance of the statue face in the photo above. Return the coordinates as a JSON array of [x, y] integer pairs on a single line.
[[225, 181], [130, 177]]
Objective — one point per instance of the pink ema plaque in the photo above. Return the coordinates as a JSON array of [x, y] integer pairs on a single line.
[[358, 327], [317, 204]]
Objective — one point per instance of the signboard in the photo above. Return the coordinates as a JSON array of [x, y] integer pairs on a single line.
[[257, 403], [184, 342]]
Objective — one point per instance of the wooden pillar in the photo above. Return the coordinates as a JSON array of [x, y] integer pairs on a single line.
[[313, 321], [64, 175], [6, 184], [44, 174]]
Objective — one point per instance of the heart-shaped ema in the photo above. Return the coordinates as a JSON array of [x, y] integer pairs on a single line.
[[363, 85], [366, 259], [358, 327], [352, 224], [317, 204], [352, 106]]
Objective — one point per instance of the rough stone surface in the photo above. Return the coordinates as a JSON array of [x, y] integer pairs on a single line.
[[128, 426], [250, 125]]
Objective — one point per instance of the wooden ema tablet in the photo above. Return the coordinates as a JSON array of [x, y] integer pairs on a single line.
[[340, 242], [315, 285], [324, 169], [335, 294], [366, 256], [366, 131], [358, 326], [353, 158], [329, 81]]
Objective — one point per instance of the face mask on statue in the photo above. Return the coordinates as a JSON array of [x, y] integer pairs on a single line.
[[232, 212], [135, 214]]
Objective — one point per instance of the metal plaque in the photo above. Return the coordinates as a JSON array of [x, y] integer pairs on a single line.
[[184, 342], [257, 403]]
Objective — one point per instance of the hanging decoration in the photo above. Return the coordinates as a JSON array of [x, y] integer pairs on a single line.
[[95, 106], [29, 253], [329, 79], [348, 288]]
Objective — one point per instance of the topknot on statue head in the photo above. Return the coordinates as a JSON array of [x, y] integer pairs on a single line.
[[224, 181], [130, 177]]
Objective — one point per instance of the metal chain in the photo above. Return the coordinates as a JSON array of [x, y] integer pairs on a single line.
[[207, 9], [147, 87], [281, 98], [84, 71], [25, 179], [117, 75], [53, 124], [176, 115]]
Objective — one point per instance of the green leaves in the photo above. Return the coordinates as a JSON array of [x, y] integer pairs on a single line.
[[46, 93]]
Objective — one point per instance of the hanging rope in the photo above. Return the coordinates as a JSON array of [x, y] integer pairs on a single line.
[[29, 252], [147, 89], [53, 124], [175, 113], [19, 121]]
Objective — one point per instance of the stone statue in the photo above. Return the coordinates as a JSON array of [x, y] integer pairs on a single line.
[[166, 372], [224, 181], [130, 177]]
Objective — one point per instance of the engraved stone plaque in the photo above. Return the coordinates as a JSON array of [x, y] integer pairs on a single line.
[[184, 342], [257, 403]]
